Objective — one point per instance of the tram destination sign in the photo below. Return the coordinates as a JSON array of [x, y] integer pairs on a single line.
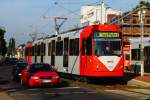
[[107, 34]]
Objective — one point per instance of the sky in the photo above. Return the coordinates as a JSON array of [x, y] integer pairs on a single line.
[[22, 17]]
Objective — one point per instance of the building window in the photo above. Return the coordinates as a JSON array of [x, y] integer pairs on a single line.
[[148, 21], [134, 21], [135, 54]]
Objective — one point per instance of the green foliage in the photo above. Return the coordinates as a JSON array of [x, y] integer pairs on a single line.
[[3, 48], [143, 4], [11, 47]]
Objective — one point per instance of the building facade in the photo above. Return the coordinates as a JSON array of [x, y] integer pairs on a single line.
[[135, 24], [96, 14]]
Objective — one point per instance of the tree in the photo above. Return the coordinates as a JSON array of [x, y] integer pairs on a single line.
[[143, 4], [3, 48], [11, 47]]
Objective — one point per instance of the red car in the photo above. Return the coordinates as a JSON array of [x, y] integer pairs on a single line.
[[39, 74]]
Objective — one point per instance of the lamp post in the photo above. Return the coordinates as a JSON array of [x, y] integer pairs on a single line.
[[141, 17]]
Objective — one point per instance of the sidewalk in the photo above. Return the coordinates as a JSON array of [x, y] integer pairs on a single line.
[[5, 96], [137, 80]]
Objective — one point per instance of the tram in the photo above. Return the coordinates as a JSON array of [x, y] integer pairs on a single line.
[[90, 51]]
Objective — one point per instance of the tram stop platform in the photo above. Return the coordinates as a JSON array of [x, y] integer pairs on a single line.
[[137, 80]]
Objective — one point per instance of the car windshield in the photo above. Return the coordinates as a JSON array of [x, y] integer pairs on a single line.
[[40, 67], [21, 66]]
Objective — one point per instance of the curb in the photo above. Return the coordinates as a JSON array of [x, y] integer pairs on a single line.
[[135, 82]]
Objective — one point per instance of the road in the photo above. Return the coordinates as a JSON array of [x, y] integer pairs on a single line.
[[63, 92]]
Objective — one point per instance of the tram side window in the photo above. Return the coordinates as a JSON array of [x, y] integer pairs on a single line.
[[59, 48], [38, 50], [26, 51], [135, 54], [53, 47], [49, 49], [71, 47], [66, 46], [76, 49], [89, 46], [35, 50], [32, 51], [43, 49]]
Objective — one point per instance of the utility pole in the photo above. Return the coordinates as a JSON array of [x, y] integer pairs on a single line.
[[57, 25], [141, 17]]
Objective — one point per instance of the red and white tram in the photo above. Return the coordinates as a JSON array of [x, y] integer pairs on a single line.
[[92, 51]]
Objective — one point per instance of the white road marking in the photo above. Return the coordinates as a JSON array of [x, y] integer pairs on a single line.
[[68, 88], [129, 94], [57, 88], [56, 93], [143, 91]]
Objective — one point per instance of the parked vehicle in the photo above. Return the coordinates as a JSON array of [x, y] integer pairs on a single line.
[[39, 74], [17, 70]]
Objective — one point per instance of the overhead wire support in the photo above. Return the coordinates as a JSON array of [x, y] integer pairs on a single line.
[[58, 26]]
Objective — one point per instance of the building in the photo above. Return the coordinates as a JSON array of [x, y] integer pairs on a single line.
[[95, 14], [20, 51], [131, 22]]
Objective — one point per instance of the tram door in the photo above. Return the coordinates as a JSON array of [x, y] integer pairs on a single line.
[[65, 56], [83, 57], [86, 53], [53, 53]]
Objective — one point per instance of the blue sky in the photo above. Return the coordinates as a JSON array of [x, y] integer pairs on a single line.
[[21, 17]]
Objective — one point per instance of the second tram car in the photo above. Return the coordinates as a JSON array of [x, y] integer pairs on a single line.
[[91, 51]]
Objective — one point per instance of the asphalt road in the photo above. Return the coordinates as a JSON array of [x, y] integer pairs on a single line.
[[63, 92]]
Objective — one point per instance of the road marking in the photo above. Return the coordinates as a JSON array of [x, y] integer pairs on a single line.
[[68, 88], [129, 94], [143, 91], [56, 88], [57, 93]]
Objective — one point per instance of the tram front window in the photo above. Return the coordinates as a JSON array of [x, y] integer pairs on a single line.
[[107, 47]]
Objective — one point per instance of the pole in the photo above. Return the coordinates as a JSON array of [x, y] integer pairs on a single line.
[[142, 15]]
